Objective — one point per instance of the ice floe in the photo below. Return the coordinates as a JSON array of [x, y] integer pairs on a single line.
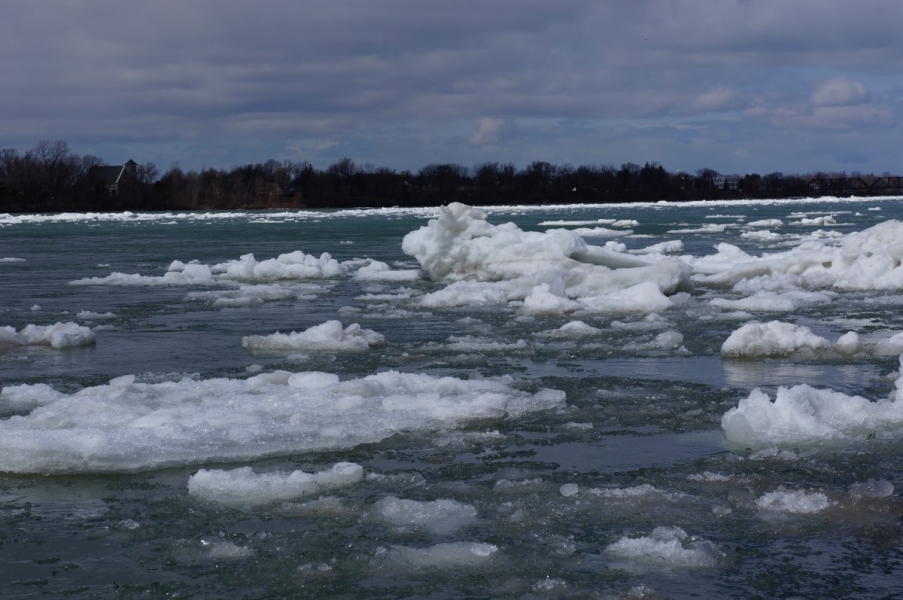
[[245, 487], [440, 516], [667, 548], [127, 426], [291, 266], [805, 415], [761, 340], [327, 337], [59, 335]]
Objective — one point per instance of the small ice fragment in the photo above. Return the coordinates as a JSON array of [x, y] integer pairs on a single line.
[[569, 489]]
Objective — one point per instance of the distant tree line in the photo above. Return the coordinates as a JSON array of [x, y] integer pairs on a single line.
[[51, 178]]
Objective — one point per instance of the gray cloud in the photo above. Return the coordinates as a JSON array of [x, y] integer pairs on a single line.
[[732, 84]]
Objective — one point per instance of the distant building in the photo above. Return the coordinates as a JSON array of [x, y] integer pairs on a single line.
[[726, 182], [112, 177]]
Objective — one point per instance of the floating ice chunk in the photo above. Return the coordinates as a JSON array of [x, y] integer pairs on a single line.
[[820, 221], [569, 489], [711, 228], [244, 487], [765, 223], [380, 271], [600, 232], [761, 236], [440, 516], [572, 330], [708, 477], [60, 335], [10, 339], [892, 346], [224, 550], [328, 337], [638, 491], [803, 414], [667, 548], [865, 260], [849, 344], [11, 259], [760, 340], [442, 556], [87, 314], [764, 301], [661, 248], [36, 308], [294, 265], [141, 426], [873, 488], [794, 502]]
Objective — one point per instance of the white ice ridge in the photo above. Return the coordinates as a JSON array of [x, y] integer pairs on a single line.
[[806, 415], [127, 426], [667, 547], [440, 516], [245, 487], [864, 260], [292, 266], [554, 271], [60, 335], [328, 337]]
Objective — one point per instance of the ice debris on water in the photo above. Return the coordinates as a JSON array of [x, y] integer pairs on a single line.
[[60, 335], [793, 501], [243, 486]]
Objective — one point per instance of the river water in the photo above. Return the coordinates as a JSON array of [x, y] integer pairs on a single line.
[[627, 486]]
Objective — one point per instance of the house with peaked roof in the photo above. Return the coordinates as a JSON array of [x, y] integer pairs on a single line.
[[112, 177]]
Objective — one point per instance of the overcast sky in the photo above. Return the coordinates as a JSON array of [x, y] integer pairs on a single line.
[[735, 85]]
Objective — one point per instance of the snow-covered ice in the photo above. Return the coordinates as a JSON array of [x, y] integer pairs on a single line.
[[127, 426], [327, 337]]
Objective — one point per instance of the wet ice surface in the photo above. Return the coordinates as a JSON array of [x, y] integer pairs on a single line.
[[626, 488]]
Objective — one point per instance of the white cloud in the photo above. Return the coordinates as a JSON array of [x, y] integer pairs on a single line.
[[488, 131], [839, 91]]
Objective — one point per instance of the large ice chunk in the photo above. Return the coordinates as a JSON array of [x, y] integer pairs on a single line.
[[760, 340], [806, 415], [59, 335], [864, 260], [554, 271], [126, 426]]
